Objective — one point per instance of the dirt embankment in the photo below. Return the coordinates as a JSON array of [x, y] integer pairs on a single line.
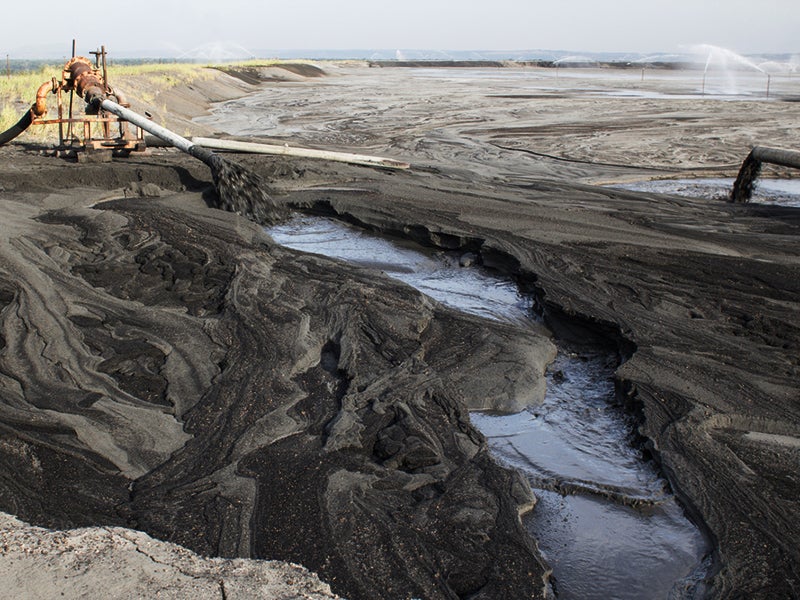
[[175, 105]]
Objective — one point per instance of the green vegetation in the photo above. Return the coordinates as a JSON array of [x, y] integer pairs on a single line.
[[160, 76], [139, 80], [18, 92], [21, 87]]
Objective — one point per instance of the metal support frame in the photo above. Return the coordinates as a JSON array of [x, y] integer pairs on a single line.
[[103, 131]]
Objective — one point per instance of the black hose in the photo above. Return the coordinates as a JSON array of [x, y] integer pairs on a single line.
[[13, 131]]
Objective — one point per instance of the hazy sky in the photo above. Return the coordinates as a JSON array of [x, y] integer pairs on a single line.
[[752, 26]]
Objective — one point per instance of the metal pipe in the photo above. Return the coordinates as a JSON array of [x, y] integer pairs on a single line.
[[239, 190], [143, 123], [39, 107], [776, 156], [347, 157], [181, 143], [16, 129], [751, 168]]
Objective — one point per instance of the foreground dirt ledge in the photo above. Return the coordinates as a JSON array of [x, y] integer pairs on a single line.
[[113, 562]]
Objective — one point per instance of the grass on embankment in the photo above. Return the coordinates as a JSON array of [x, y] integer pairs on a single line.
[[144, 81]]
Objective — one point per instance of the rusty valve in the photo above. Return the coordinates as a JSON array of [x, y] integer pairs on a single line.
[[79, 76]]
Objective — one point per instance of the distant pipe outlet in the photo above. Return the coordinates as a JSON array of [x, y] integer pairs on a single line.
[[751, 168]]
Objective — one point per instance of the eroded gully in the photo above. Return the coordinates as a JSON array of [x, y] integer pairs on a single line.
[[605, 520]]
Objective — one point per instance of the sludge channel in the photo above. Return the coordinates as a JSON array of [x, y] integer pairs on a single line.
[[605, 520]]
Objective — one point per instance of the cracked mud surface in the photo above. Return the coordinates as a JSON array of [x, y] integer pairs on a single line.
[[166, 367], [130, 564]]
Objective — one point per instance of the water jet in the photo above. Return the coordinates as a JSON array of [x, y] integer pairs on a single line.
[[728, 62]]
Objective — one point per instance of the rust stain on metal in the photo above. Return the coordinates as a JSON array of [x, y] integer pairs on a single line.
[[87, 132]]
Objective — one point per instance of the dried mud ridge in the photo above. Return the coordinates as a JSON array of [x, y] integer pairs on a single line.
[[166, 367], [119, 564]]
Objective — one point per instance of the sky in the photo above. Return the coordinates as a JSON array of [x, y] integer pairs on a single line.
[[172, 28]]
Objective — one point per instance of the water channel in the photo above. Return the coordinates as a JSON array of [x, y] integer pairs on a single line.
[[605, 520]]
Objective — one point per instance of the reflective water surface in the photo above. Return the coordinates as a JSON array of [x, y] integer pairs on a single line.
[[781, 192], [605, 521], [437, 274]]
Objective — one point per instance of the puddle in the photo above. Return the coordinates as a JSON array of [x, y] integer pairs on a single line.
[[438, 274], [632, 83], [780, 192], [605, 520]]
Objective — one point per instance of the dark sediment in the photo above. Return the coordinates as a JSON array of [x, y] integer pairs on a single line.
[[158, 344], [243, 192], [746, 179], [703, 299], [166, 367]]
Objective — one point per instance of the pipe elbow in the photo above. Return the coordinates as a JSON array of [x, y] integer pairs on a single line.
[[39, 107], [120, 98]]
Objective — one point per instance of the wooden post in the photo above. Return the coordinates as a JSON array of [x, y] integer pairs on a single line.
[[8, 67]]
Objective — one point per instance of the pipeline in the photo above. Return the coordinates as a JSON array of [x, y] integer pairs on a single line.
[[16, 129], [751, 168], [78, 76], [98, 101], [239, 190]]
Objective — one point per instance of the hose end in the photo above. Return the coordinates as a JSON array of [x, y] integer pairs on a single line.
[[204, 154]]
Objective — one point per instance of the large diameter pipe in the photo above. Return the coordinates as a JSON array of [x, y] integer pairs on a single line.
[[147, 125], [16, 129], [751, 168], [776, 156], [181, 143]]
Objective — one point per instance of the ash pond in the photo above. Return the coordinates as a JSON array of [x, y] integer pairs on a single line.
[[605, 520]]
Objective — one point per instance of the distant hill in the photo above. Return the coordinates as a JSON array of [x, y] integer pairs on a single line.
[[28, 59]]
